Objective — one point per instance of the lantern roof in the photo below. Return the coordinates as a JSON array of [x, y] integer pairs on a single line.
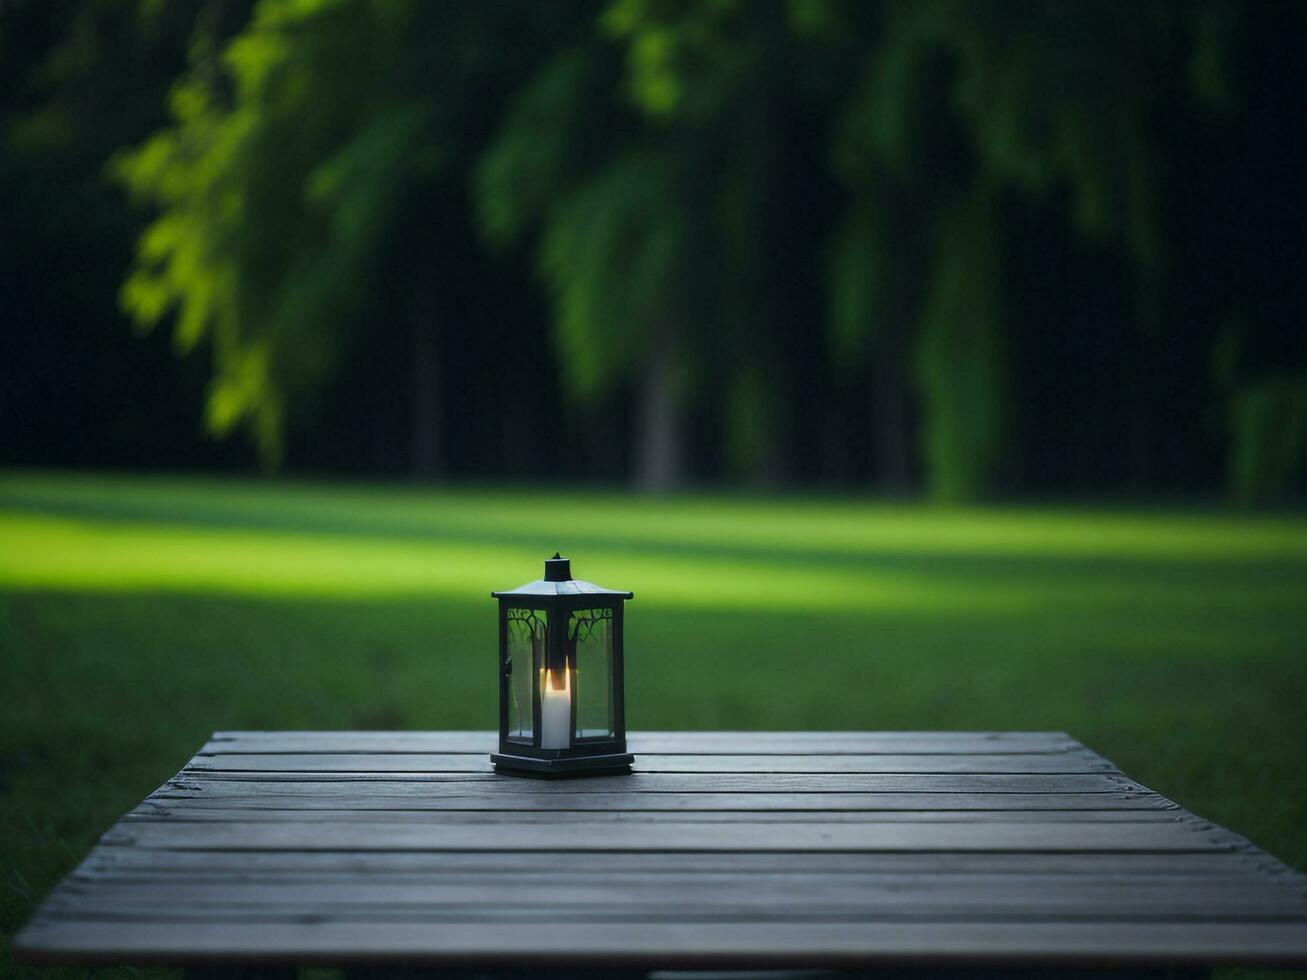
[[557, 583]]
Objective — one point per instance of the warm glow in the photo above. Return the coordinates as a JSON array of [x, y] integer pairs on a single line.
[[557, 681]]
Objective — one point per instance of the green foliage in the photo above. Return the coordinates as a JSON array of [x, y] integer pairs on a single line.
[[747, 405], [615, 222], [967, 99], [535, 150], [1268, 421], [677, 53], [960, 357], [651, 153], [710, 83], [611, 251], [953, 103], [1048, 97], [611, 230], [858, 283], [276, 183]]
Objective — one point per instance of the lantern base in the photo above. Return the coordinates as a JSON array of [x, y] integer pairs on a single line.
[[586, 765]]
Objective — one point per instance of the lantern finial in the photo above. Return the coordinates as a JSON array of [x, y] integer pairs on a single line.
[[558, 568]]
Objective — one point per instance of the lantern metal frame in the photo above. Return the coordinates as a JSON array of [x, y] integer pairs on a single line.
[[558, 596]]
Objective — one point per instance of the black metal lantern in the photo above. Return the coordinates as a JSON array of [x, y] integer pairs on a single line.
[[560, 677]]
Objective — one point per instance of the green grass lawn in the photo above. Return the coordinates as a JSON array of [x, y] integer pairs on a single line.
[[139, 614]]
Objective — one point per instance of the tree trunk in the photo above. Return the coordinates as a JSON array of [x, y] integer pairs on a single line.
[[424, 387], [893, 442], [660, 433]]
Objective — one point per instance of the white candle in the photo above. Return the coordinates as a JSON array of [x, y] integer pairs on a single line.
[[555, 711]]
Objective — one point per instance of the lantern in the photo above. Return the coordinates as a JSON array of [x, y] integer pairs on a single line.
[[560, 677]]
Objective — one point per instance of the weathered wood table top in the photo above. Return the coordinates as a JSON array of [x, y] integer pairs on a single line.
[[721, 849]]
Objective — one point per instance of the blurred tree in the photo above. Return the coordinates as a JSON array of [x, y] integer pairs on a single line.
[[612, 244], [263, 221], [78, 80], [287, 175], [949, 105], [1269, 438], [1047, 98], [696, 75], [667, 243], [1252, 219], [1022, 227]]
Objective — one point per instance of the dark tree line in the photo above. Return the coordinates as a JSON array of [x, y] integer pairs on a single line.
[[952, 246]]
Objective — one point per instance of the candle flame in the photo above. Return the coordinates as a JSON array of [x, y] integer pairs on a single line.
[[557, 680]]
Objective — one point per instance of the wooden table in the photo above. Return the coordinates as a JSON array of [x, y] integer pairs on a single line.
[[722, 850]]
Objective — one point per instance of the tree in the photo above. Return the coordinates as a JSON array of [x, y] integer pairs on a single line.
[[614, 243], [296, 156], [700, 188], [667, 245], [1043, 98], [77, 81]]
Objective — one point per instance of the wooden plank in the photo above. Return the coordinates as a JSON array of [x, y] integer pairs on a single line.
[[668, 944], [346, 882], [205, 812], [1064, 762], [695, 782], [219, 794], [671, 836], [657, 743], [1175, 907], [133, 862], [663, 895], [684, 897]]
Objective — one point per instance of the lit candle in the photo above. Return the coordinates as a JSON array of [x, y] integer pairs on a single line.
[[555, 710]]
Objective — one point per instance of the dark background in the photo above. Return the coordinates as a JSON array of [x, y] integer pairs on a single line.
[[1103, 359]]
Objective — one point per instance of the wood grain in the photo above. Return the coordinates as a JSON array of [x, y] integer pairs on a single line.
[[131, 862], [432, 762], [207, 812], [733, 849], [658, 743], [686, 782], [720, 945], [581, 835], [686, 896], [232, 796]]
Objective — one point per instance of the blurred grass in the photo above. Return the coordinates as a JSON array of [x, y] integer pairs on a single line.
[[139, 614]]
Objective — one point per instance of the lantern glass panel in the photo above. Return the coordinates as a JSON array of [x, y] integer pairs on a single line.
[[528, 631], [590, 634]]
